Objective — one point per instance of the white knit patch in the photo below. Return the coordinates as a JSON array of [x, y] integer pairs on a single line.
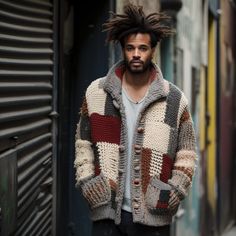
[[156, 135], [185, 158], [96, 98], [156, 113], [156, 163], [84, 158], [109, 156]]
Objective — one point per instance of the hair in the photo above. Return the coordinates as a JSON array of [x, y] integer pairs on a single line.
[[135, 21]]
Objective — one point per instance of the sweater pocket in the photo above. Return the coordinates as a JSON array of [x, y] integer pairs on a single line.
[[97, 191], [157, 197]]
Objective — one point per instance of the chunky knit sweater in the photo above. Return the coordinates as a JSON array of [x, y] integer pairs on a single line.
[[163, 155]]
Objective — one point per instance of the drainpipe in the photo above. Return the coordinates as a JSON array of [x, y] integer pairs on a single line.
[[218, 101]]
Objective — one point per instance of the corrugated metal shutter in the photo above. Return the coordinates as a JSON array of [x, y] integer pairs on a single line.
[[26, 108]]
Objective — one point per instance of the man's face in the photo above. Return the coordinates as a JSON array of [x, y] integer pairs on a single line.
[[137, 52]]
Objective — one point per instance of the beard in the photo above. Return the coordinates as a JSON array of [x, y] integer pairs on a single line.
[[137, 66]]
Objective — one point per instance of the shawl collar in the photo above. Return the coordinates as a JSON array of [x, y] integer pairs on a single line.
[[158, 88]]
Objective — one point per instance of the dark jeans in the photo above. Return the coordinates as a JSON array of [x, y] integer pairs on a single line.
[[127, 227]]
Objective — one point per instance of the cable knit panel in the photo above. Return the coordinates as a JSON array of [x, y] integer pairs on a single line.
[[84, 158], [109, 157], [96, 98]]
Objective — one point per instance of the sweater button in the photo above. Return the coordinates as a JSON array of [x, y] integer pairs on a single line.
[[137, 147], [140, 130], [136, 206], [137, 168], [142, 120], [137, 181], [136, 199], [121, 148], [121, 171], [137, 151], [116, 105]]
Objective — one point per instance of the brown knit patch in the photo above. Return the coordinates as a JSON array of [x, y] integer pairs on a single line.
[[185, 116], [145, 167], [186, 171], [112, 184], [84, 107], [166, 168]]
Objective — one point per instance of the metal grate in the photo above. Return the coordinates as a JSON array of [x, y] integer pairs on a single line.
[[26, 100]]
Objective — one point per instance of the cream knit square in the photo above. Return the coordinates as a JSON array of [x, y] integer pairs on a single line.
[[156, 112], [109, 156], [156, 136], [96, 98]]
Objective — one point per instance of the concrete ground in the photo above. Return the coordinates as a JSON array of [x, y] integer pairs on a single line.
[[230, 232]]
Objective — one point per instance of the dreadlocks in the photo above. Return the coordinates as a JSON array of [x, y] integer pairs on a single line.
[[135, 21]]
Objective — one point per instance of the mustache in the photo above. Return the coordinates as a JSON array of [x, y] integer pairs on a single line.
[[136, 61]]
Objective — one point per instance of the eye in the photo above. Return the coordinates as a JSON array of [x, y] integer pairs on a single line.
[[129, 48], [143, 49]]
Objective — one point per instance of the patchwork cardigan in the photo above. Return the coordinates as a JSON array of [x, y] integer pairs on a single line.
[[163, 155]]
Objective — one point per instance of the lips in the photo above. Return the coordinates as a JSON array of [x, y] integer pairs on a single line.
[[135, 62]]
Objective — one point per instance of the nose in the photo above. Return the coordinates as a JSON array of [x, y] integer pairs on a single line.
[[136, 53]]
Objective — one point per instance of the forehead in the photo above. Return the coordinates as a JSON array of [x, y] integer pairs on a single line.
[[138, 39]]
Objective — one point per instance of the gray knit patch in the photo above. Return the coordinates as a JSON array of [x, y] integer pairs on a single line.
[[85, 128], [172, 109], [187, 137], [160, 185], [110, 109], [172, 147]]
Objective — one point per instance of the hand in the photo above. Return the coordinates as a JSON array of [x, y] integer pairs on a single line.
[[174, 200]]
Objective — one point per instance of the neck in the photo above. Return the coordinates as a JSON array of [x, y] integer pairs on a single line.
[[136, 85]]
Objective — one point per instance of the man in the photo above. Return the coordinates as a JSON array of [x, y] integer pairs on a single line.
[[135, 143]]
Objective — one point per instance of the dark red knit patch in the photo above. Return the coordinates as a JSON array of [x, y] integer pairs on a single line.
[[161, 205], [120, 71], [97, 170], [105, 128], [145, 167], [185, 116], [166, 168]]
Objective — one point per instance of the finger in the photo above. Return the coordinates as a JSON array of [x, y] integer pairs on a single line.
[[173, 205], [174, 200]]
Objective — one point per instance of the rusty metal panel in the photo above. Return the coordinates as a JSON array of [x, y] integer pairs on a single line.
[[26, 111]]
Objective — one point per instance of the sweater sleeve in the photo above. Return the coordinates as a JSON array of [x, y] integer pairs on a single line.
[[185, 160], [84, 155]]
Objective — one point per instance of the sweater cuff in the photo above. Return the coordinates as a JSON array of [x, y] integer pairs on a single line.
[[180, 182]]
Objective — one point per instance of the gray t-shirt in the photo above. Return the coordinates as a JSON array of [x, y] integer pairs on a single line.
[[132, 110]]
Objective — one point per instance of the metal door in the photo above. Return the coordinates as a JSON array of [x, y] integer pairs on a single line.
[[27, 116]]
